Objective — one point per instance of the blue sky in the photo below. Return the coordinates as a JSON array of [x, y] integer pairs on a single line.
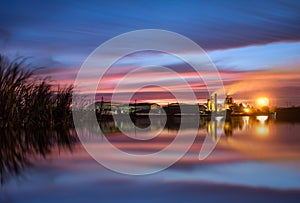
[[239, 36]]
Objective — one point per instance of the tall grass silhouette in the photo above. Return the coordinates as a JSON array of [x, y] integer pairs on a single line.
[[27, 101], [35, 115]]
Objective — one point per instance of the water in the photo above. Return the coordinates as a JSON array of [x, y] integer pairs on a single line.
[[256, 159]]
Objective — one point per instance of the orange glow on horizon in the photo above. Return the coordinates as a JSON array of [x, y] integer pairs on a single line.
[[247, 110], [263, 101]]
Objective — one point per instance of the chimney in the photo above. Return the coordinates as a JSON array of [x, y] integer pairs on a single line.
[[216, 102]]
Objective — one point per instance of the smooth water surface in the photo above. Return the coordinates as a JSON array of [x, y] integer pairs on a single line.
[[256, 159]]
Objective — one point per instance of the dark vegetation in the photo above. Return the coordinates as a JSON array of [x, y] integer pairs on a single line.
[[34, 116], [290, 114]]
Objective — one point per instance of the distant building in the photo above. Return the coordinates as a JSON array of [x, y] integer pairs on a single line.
[[188, 109], [105, 108], [212, 103], [142, 107], [228, 102], [202, 108], [209, 105]]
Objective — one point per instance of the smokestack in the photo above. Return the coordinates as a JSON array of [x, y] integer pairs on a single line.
[[216, 102]]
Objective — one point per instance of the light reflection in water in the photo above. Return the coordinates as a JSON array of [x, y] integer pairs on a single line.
[[242, 141], [262, 119], [214, 128], [262, 129], [245, 121]]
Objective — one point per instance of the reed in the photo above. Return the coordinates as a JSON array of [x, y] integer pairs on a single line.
[[27, 101], [35, 116]]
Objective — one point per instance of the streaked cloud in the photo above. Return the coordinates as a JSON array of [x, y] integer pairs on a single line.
[[250, 42]]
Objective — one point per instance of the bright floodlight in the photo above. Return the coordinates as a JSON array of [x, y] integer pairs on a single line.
[[263, 101]]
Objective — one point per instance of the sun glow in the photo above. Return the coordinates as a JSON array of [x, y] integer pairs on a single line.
[[263, 101], [247, 110]]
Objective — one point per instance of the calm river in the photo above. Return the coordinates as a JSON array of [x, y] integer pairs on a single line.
[[256, 160]]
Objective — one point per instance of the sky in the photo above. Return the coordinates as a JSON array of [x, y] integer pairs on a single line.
[[254, 44]]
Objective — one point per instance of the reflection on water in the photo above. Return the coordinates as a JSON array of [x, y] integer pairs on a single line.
[[262, 119], [241, 134], [262, 129], [253, 153], [233, 133], [213, 128], [19, 148]]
